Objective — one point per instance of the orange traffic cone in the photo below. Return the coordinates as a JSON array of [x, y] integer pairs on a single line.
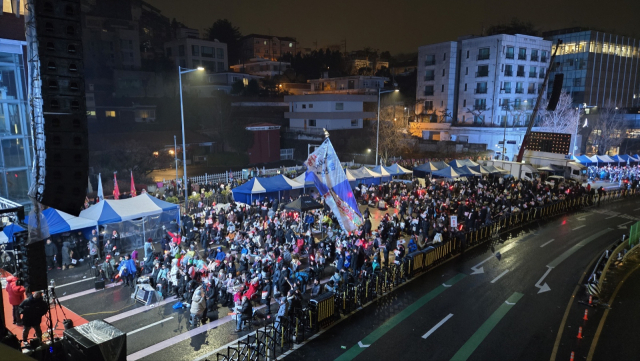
[[585, 315], [590, 299], [571, 359], [580, 332]]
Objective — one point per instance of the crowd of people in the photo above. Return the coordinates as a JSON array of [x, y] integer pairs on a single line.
[[614, 173]]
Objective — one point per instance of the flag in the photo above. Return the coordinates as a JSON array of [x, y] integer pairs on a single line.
[[116, 190], [133, 187], [89, 186], [100, 191], [325, 170]]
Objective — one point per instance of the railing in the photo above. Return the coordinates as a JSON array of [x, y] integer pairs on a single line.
[[522, 56], [520, 74], [508, 73], [533, 75], [510, 55], [481, 74], [479, 107], [429, 77], [543, 59], [519, 91], [226, 177], [541, 75], [429, 62], [303, 130], [534, 58], [531, 91], [506, 91], [483, 57], [480, 91], [427, 93]]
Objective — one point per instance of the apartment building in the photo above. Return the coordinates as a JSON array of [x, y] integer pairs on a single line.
[[191, 53], [266, 46]]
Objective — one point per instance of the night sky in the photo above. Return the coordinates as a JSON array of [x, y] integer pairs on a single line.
[[398, 26]]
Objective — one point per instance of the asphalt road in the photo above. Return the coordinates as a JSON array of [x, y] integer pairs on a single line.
[[525, 330]]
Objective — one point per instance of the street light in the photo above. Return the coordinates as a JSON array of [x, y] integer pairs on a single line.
[[378, 131], [184, 147]]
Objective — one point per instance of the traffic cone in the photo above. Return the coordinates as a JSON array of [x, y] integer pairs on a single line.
[[580, 333], [585, 315], [571, 359], [590, 299]]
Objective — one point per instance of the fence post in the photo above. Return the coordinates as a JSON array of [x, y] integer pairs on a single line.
[[226, 173]]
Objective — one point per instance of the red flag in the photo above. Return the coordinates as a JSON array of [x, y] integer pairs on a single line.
[[133, 187], [116, 190]]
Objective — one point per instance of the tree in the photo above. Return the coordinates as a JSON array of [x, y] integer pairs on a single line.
[[562, 120], [253, 88], [224, 31], [608, 128], [130, 156], [394, 135], [237, 87]]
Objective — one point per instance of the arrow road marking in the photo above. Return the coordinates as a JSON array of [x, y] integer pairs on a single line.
[[477, 269], [499, 276], [622, 226], [613, 216], [545, 287], [581, 218], [445, 285], [573, 229], [361, 345], [636, 209], [509, 303], [547, 243], [434, 328]]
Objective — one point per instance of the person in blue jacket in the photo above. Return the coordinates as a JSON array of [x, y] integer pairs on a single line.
[[220, 256], [412, 245], [127, 270]]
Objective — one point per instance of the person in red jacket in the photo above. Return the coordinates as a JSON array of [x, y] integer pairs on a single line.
[[16, 296], [175, 237]]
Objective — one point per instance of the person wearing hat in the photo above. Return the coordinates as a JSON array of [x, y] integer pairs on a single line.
[[32, 309]]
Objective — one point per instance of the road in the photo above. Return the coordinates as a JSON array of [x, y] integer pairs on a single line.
[[467, 316]]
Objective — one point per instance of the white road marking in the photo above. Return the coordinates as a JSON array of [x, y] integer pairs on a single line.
[[362, 345], [148, 326], [499, 276], [434, 328], [573, 229], [73, 283], [547, 243], [615, 215]]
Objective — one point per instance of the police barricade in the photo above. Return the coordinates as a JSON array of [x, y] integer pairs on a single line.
[[415, 263], [322, 310]]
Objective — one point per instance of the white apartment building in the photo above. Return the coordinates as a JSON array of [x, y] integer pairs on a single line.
[[191, 53], [311, 112], [346, 84], [486, 82]]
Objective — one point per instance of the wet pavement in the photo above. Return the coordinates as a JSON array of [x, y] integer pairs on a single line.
[[527, 331]]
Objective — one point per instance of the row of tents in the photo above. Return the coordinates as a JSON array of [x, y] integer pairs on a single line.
[[607, 160]]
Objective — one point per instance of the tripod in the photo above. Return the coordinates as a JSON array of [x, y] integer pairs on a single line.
[[56, 303]]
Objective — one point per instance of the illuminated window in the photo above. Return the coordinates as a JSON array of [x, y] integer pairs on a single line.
[[110, 113], [291, 45], [91, 113]]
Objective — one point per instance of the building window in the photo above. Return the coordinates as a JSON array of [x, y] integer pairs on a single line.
[[444, 56], [180, 50], [110, 113], [577, 82], [510, 52], [481, 88], [221, 66], [310, 106], [520, 71], [483, 53], [428, 90], [507, 88], [354, 122], [533, 72], [508, 70], [148, 115], [195, 50], [291, 45], [428, 105], [464, 102], [91, 113], [312, 122], [467, 54], [483, 70], [480, 104], [543, 57], [13, 150], [465, 86], [442, 72], [466, 71], [207, 52], [430, 59], [428, 75], [463, 118], [265, 42], [442, 90], [519, 88], [220, 53], [534, 55], [304, 106], [522, 53], [339, 106], [286, 154]]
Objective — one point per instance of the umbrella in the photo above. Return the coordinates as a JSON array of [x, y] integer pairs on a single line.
[[303, 204]]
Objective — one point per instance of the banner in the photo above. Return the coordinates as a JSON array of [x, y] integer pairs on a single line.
[[325, 171]]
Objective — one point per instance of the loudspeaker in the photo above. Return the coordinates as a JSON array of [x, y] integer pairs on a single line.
[[36, 266], [96, 341], [66, 148], [99, 284], [555, 95]]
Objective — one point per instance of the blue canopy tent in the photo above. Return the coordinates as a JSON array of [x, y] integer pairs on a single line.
[[362, 175], [583, 159], [396, 170], [385, 174], [61, 222], [6, 236], [422, 170], [616, 159], [462, 163], [482, 169], [601, 159], [624, 158], [448, 172], [259, 188], [467, 172]]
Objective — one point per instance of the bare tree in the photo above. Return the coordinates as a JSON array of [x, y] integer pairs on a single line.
[[608, 128], [562, 120], [394, 135], [478, 112]]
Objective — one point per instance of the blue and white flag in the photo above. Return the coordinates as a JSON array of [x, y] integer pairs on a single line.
[[325, 171]]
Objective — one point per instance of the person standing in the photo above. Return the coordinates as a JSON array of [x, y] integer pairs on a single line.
[[246, 313], [32, 309], [16, 296], [50, 252], [198, 305]]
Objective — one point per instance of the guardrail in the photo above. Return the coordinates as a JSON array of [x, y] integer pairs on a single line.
[[352, 293]]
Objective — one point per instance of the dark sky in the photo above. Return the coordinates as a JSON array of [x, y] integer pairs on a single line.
[[398, 26]]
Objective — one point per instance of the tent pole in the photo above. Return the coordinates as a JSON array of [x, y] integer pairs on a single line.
[[144, 234]]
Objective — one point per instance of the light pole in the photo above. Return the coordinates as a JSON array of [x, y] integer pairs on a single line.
[[175, 154], [184, 148], [380, 91]]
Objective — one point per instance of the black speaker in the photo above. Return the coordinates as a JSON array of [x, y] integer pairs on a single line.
[[59, 34], [96, 341], [99, 284], [36, 266], [555, 95]]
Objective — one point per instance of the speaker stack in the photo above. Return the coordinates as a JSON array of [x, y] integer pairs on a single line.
[[32, 262], [59, 38]]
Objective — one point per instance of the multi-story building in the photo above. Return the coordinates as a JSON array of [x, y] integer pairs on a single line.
[[15, 136], [154, 29], [266, 46], [312, 112], [191, 53], [348, 84], [488, 82], [598, 67], [261, 67]]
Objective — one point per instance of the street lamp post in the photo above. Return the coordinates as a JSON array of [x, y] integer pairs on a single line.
[[175, 154], [378, 131], [184, 148]]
